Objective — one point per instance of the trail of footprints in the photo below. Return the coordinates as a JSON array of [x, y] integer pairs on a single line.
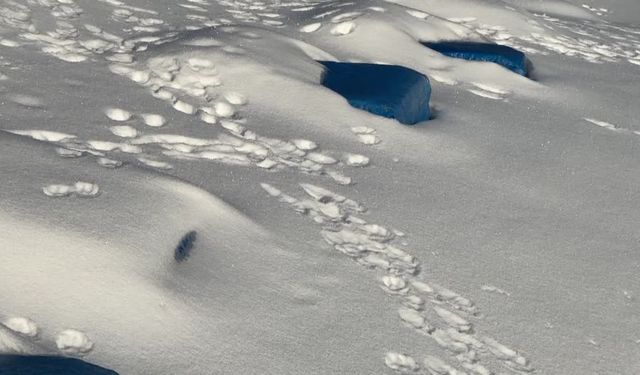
[[428, 309], [238, 145], [595, 42], [21, 335], [190, 85]]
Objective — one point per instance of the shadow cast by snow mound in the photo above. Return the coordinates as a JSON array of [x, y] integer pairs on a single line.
[[45, 365], [505, 56], [390, 91]]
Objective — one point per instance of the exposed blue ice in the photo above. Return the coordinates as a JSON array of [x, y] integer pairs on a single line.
[[508, 57], [387, 90]]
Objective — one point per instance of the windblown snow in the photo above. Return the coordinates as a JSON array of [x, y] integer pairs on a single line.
[[180, 195]]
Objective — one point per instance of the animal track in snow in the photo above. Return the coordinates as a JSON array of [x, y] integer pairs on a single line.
[[443, 79], [400, 362], [510, 357], [153, 120], [310, 28], [355, 160], [12, 342], [73, 342], [117, 114], [414, 319], [109, 163], [612, 127], [592, 41], [67, 153], [453, 320], [124, 131], [26, 100], [493, 289], [190, 84], [366, 135], [343, 28], [597, 11], [235, 98], [154, 163], [23, 326], [417, 14], [81, 189], [437, 366], [371, 246], [488, 91], [486, 94], [44, 135]]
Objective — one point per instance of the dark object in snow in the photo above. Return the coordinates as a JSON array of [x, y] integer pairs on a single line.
[[48, 365], [185, 245], [508, 57], [386, 90]]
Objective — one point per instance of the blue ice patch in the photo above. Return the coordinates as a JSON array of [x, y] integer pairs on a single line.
[[390, 91], [47, 365], [508, 57]]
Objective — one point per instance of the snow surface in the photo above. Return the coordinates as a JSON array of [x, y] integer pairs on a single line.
[[181, 195]]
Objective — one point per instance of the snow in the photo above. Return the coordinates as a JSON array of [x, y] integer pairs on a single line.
[[23, 326], [400, 362], [16, 364], [117, 114], [243, 218]]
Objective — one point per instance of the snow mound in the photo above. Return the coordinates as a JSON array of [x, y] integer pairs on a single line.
[[508, 57], [387, 90]]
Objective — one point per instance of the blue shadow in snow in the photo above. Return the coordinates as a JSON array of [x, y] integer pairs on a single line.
[[48, 365], [386, 90], [508, 57]]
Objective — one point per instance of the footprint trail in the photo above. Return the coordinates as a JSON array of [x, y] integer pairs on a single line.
[[426, 308]]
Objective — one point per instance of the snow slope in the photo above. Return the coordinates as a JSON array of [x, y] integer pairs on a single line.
[[499, 237]]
